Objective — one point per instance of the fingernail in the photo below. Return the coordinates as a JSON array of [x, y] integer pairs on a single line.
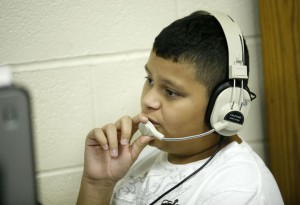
[[114, 153], [124, 142], [105, 147]]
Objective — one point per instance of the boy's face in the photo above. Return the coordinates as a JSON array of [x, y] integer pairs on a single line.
[[175, 103]]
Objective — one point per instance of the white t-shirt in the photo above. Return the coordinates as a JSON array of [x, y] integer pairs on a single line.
[[236, 175]]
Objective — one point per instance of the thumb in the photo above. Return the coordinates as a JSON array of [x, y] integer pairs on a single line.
[[138, 145]]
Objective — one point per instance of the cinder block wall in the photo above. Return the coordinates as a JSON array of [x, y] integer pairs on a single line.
[[82, 62]]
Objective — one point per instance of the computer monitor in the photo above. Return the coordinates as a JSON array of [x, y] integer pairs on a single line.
[[17, 170]]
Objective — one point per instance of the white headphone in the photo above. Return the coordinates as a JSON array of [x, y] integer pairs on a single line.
[[230, 102]]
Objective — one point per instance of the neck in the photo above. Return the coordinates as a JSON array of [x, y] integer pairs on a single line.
[[181, 159]]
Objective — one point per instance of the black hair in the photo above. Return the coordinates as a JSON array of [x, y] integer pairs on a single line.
[[197, 39]]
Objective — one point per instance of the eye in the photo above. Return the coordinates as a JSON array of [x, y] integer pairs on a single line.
[[149, 80], [172, 93]]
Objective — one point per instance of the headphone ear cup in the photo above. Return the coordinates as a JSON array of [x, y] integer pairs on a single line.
[[212, 101], [226, 106]]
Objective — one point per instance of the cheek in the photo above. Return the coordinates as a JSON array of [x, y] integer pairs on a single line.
[[187, 120]]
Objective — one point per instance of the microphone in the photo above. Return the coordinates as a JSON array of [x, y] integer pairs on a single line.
[[149, 130]]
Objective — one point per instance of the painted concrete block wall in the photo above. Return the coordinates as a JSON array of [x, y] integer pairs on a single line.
[[83, 63]]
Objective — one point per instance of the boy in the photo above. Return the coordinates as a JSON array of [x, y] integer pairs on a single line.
[[188, 61]]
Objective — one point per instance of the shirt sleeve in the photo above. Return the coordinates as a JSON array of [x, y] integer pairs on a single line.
[[235, 198]]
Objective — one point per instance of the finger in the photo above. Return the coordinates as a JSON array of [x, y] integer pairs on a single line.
[[139, 145], [125, 126], [139, 118], [97, 137], [112, 137]]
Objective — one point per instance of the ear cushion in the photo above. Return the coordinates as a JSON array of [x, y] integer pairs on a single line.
[[225, 106], [213, 99]]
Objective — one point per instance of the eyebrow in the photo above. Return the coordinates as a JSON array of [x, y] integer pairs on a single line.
[[167, 81]]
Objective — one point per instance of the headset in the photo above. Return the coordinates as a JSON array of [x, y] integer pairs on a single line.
[[229, 103]]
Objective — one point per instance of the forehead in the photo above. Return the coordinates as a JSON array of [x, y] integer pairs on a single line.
[[166, 65], [165, 70]]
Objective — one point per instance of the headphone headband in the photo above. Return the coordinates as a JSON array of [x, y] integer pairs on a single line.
[[235, 44]]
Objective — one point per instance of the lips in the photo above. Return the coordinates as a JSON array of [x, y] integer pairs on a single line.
[[154, 122]]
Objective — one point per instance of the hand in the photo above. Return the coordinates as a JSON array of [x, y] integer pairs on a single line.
[[108, 154]]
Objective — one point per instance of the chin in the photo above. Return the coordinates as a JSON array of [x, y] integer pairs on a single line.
[[157, 143]]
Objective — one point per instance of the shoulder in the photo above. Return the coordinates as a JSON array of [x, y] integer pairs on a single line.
[[235, 167], [238, 172], [238, 156], [238, 163]]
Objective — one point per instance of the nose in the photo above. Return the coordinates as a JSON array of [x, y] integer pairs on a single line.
[[150, 99]]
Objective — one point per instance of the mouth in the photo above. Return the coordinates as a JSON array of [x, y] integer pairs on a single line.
[[154, 122]]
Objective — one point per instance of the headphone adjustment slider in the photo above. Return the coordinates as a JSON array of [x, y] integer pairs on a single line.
[[238, 72]]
